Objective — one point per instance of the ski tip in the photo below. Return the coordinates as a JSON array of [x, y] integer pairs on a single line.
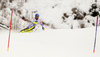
[[93, 51], [7, 49]]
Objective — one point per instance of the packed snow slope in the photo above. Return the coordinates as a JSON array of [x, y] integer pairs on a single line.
[[51, 43]]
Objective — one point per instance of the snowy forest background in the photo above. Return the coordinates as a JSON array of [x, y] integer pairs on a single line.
[[55, 14]]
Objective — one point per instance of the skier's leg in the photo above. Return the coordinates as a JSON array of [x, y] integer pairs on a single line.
[[22, 31], [30, 29]]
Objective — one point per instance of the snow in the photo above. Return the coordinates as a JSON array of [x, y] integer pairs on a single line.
[[51, 12], [53, 16], [59, 42], [51, 43]]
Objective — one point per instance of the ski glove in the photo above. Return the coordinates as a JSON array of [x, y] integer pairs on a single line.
[[43, 28]]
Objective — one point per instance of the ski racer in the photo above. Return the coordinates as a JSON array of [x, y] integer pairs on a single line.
[[33, 24]]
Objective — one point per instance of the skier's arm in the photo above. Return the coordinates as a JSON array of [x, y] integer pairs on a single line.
[[42, 25], [25, 19]]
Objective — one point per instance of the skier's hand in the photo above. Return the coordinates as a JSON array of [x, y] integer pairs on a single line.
[[43, 28]]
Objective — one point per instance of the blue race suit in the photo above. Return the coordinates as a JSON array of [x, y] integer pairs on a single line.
[[33, 24]]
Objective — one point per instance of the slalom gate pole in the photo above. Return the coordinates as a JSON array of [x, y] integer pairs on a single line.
[[9, 31], [95, 34]]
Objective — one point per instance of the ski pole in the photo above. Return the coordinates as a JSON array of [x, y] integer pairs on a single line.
[[9, 31], [95, 34]]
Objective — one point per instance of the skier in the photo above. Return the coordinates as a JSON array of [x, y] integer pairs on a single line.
[[34, 22]]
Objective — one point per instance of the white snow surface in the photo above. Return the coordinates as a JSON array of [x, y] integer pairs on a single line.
[[62, 42], [51, 43]]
